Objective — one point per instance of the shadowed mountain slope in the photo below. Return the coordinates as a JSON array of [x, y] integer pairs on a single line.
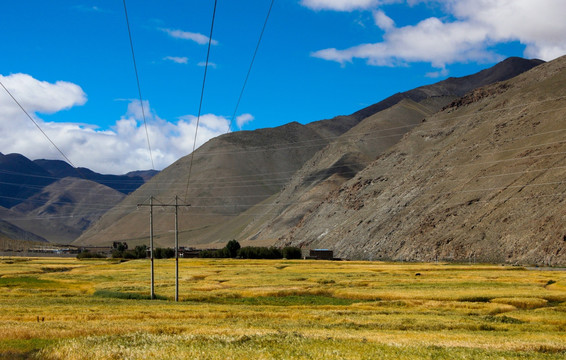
[[49, 197], [12, 232], [20, 178], [122, 183], [481, 180], [64, 209]]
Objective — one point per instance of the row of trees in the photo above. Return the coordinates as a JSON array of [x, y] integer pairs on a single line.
[[139, 252], [231, 250], [234, 250]]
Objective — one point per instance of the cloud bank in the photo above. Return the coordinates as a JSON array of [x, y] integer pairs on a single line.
[[469, 31], [120, 149]]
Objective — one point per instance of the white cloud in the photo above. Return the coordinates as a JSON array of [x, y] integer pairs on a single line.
[[537, 24], [177, 59], [477, 28], [243, 120], [39, 96], [431, 40], [185, 35], [383, 21], [435, 74], [118, 150]]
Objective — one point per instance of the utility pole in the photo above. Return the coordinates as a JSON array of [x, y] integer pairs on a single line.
[[151, 245], [176, 250], [176, 205]]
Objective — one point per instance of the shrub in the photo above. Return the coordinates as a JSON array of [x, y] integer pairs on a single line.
[[291, 252], [139, 252], [163, 253], [254, 252], [233, 246], [220, 253], [86, 254]]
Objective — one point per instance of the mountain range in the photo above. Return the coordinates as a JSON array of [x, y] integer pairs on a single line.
[[49, 200], [464, 169]]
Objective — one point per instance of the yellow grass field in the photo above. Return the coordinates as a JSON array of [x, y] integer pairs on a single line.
[[54, 308]]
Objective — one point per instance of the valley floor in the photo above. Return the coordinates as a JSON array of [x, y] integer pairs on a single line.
[[57, 308]]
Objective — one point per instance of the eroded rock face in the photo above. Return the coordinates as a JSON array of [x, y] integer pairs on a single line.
[[482, 180]]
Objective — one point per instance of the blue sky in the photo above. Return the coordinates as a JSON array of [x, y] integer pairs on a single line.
[[70, 65]]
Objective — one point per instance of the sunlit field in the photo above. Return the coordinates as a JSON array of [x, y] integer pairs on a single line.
[[53, 308]]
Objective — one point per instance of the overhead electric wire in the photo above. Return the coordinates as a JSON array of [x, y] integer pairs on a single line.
[[138, 83], [474, 145], [251, 65], [207, 181], [201, 97], [323, 141], [40, 129]]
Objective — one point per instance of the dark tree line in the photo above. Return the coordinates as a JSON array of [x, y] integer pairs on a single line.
[[231, 250], [234, 250]]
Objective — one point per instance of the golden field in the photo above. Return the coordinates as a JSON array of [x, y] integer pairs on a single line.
[[56, 308]]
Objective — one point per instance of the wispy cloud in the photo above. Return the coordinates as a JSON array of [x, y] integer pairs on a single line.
[[177, 59], [243, 120], [186, 35], [88, 8], [210, 64]]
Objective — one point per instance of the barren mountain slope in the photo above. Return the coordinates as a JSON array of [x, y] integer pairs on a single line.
[[482, 180], [64, 209], [329, 168], [10, 231], [355, 149], [230, 174], [235, 172]]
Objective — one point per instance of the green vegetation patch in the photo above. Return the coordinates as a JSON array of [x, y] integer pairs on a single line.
[[26, 282], [22, 348], [125, 295], [289, 300], [56, 269], [480, 299]]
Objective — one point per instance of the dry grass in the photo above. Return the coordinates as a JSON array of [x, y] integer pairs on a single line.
[[70, 309]]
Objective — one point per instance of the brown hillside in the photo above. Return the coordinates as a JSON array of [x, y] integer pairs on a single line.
[[482, 180]]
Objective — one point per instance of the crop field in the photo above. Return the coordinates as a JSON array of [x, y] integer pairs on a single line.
[[54, 308]]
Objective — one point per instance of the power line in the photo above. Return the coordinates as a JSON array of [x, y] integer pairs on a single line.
[[138, 83], [40, 129], [201, 97], [251, 64], [276, 180]]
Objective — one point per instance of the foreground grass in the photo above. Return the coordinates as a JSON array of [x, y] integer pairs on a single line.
[[99, 309]]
